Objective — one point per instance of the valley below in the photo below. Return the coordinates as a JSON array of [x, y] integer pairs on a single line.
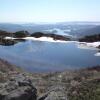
[[47, 52], [50, 64]]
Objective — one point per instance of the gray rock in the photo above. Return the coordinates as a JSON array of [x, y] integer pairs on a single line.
[[55, 94], [18, 91]]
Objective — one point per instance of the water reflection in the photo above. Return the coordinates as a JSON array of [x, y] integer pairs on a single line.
[[46, 56]]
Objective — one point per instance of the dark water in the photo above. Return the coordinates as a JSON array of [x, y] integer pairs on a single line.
[[39, 56]]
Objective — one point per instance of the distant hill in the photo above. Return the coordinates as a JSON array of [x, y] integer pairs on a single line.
[[10, 27], [94, 30], [78, 29], [88, 31]]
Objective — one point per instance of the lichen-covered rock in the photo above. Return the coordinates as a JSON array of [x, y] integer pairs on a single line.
[[14, 84], [13, 90], [57, 93]]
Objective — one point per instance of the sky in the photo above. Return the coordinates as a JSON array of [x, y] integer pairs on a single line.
[[49, 10]]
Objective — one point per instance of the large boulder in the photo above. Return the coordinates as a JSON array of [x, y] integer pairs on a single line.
[[15, 84], [14, 90]]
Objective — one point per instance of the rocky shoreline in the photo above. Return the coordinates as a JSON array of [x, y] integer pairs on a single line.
[[8, 39], [16, 84]]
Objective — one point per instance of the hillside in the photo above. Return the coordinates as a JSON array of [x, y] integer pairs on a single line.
[[16, 84], [90, 38], [88, 31]]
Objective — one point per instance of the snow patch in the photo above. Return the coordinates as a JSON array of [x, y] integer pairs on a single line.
[[97, 54], [10, 38], [85, 45], [47, 39], [94, 44]]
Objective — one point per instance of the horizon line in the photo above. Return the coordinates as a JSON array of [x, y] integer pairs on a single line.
[[50, 22]]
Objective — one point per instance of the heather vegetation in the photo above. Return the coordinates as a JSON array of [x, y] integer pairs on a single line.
[[81, 84]]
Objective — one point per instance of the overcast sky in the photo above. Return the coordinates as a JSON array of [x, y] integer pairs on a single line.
[[49, 10]]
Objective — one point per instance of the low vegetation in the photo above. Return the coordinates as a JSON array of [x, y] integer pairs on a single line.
[[21, 34], [91, 38], [83, 84]]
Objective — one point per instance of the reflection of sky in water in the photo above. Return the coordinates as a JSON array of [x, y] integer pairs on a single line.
[[46, 56]]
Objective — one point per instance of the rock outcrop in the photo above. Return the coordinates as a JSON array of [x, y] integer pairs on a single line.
[[91, 38], [14, 85], [54, 36], [57, 93], [7, 42], [4, 34], [17, 90], [21, 34], [17, 35], [8, 39]]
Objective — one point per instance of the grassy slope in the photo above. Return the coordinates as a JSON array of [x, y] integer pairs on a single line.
[[75, 85]]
